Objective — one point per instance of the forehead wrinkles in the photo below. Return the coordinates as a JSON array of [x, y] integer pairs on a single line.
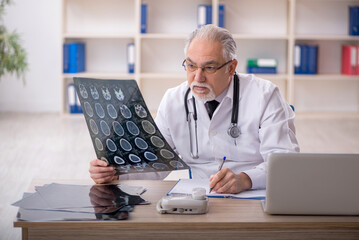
[[204, 63]]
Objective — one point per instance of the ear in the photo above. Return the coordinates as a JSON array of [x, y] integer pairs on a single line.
[[232, 67]]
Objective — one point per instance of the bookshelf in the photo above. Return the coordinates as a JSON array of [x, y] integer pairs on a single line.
[[261, 28]]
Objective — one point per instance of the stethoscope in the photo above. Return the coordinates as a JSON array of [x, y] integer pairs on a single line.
[[233, 129]]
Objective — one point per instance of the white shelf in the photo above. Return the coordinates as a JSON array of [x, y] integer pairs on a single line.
[[102, 75], [262, 29], [99, 35], [326, 77]]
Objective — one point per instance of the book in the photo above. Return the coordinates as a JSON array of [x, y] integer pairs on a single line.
[[131, 57], [74, 57], [262, 62], [143, 18], [354, 20], [185, 186], [221, 15], [350, 58], [262, 70]]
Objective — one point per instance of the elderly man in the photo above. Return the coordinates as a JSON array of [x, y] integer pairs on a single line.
[[218, 113]]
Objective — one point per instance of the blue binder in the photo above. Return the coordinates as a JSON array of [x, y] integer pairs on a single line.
[[131, 57], [143, 18], [221, 15], [312, 59], [354, 20], [74, 57]]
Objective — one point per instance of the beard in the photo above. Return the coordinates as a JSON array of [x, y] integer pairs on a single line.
[[203, 97]]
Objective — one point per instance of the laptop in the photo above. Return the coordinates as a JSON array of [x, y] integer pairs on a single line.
[[312, 184]]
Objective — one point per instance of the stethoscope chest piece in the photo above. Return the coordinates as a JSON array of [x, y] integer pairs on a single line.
[[234, 131]]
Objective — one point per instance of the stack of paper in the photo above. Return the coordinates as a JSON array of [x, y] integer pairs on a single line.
[[61, 202], [185, 186]]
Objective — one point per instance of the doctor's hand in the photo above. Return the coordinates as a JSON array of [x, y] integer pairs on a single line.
[[101, 173], [226, 181]]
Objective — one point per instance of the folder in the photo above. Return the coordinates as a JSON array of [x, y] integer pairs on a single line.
[[354, 20], [74, 57], [131, 57], [71, 97], [201, 15], [143, 18], [221, 15]]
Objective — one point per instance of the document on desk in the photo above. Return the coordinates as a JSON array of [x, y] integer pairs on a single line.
[[185, 186]]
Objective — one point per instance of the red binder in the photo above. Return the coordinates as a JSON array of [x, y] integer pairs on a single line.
[[350, 57]]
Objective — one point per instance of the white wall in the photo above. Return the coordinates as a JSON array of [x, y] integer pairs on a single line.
[[39, 24]]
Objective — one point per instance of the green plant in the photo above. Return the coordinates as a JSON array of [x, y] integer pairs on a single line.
[[12, 55]]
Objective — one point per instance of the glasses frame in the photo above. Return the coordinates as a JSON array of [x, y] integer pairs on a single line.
[[204, 68]]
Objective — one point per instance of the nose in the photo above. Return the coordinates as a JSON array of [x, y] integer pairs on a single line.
[[199, 75]]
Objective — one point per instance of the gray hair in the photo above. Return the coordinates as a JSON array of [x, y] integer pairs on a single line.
[[214, 33]]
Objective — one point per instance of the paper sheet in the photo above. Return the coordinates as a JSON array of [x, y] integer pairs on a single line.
[[185, 186]]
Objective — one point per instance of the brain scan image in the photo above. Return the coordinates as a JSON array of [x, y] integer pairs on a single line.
[[111, 145], [166, 154], [160, 166], [106, 93], [88, 109], [118, 160], [176, 164], [99, 110], [126, 145], [118, 129], [98, 144], [93, 126], [123, 132], [119, 94], [126, 113], [134, 158], [132, 128], [83, 91], [94, 92], [148, 127], [105, 128], [140, 143], [150, 156], [157, 142], [140, 111], [111, 111]]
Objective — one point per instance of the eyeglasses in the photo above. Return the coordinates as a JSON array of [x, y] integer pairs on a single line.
[[206, 69]]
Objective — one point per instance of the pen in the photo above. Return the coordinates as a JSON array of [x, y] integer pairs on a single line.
[[219, 169]]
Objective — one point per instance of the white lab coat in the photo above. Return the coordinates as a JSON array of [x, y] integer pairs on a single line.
[[265, 119]]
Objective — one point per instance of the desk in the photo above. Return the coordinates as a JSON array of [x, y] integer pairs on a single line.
[[226, 219]]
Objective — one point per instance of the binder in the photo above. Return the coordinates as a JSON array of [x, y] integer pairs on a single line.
[[74, 57], [143, 18], [312, 59], [350, 57], [71, 98], [354, 20], [297, 58], [131, 57], [208, 14], [78, 108], [305, 59], [201, 15], [221, 15]]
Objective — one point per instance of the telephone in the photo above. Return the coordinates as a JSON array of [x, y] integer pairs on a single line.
[[197, 203]]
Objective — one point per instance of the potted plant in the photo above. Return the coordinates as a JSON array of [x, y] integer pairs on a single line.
[[12, 55]]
